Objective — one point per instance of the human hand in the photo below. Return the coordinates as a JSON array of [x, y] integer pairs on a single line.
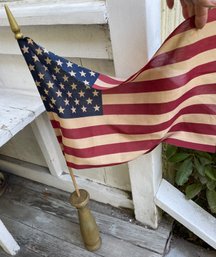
[[199, 8]]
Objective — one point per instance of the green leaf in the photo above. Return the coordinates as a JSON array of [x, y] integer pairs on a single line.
[[178, 157], [210, 173], [204, 154], [192, 190], [203, 180], [200, 168], [211, 198], [211, 185], [205, 161], [183, 172], [171, 150]]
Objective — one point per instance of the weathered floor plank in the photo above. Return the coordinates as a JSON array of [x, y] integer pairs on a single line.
[[24, 252], [66, 230], [37, 243], [64, 196], [122, 229], [46, 213]]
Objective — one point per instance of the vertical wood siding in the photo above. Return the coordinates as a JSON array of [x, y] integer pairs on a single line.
[[170, 19]]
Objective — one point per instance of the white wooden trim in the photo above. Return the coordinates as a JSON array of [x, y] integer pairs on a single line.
[[153, 26], [49, 145], [135, 36], [146, 175], [79, 41], [135, 33], [57, 12], [16, 111], [98, 192], [7, 242], [187, 212]]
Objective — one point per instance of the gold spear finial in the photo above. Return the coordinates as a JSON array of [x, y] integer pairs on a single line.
[[13, 24]]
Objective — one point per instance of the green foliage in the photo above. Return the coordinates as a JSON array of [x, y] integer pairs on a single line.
[[193, 190], [195, 173], [184, 171], [211, 197]]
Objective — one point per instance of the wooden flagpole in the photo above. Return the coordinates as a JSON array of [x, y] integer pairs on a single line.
[[18, 35], [74, 182], [79, 198]]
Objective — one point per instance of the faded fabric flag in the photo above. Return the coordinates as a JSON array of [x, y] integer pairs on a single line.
[[101, 121]]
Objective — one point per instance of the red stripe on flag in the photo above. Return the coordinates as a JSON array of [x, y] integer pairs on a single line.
[[195, 128], [157, 108], [112, 148], [131, 129], [59, 139], [201, 147], [144, 145], [165, 84], [108, 79], [182, 53], [76, 166]]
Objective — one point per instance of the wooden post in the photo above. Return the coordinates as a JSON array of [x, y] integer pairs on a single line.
[[146, 175], [7, 242], [135, 35], [49, 145]]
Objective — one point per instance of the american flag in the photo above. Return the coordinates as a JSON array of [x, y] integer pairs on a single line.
[[101, 121]]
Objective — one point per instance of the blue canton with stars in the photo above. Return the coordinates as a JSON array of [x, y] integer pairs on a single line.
[[65, 87]]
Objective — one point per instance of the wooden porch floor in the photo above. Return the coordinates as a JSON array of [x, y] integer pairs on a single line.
[[45, 224]]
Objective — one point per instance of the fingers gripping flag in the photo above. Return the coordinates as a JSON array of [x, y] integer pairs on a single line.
[[100, 120]]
